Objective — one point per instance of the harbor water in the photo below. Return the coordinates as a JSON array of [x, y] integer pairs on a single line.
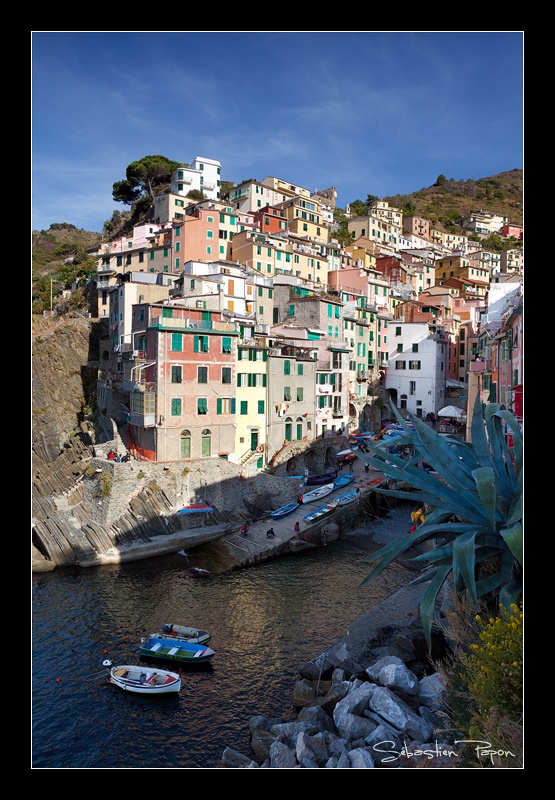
[[265, 621]]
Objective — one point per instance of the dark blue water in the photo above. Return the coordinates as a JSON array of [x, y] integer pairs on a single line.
[[265, 621]]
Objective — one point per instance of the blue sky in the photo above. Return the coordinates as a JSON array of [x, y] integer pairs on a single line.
[[370, 112]]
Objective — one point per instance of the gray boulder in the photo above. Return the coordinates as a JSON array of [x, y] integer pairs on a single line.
[[395, 711], [390, 671], [235, 760], [430, 691], [282, 757], [361, 759], [311, 748], [316, 716]]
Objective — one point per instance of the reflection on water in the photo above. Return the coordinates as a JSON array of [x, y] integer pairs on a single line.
[[265, 622]]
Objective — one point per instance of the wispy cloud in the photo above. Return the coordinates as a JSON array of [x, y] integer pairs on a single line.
[[370, 112]]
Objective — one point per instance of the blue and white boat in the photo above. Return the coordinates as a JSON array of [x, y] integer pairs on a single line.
[[314, 516], [317, 494], [172, 650], [344, 499], [343, 480], [284, 510]]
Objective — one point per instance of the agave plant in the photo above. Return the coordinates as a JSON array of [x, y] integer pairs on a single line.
[[474, 528]]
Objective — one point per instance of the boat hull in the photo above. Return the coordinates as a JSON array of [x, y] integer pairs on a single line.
[[317, 494], [343, 480], [318, 480], [320, 513], [196, 508], [140, 680], [284, 511], [345, 499], [176, 651], [182, 633]]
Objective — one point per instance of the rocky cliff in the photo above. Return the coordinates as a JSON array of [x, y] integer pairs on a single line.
[[63, 373]]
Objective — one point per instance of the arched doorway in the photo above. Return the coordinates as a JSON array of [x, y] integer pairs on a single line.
[[254, 439], [288, 429], [206, 443], [185, 444]]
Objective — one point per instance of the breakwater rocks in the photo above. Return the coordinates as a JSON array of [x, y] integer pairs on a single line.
[[373, 700]]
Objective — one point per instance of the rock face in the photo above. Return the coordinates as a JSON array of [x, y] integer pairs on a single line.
[[361, 705], [64, 372]]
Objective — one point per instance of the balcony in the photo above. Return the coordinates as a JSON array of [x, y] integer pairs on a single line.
[[478, 366]]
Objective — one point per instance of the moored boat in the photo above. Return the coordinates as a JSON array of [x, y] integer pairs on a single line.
[[183, 633], [142, 680], [317, 494], [320, 512], [284, 510], [183, 652]]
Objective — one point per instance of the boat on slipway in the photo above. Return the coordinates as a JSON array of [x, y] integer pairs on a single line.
[[317, 494], [343, 480], [318, 480], [346, 498], [284, 511], [320, 513]]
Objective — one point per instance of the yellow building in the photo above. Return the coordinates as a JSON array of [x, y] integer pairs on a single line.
[[252, 400]]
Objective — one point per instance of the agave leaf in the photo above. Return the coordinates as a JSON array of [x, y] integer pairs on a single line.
[[464, 561], [517, 451], [504, 478], [444, 459], [514, 539], [485, 485], [437, 557], [489, 584], [508, 570], [480, 443], [438, 494], [388, 553], [509, 594], [516, 510], [428, 601]]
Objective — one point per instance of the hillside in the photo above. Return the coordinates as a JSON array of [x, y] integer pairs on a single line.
[[442, 203], [44, 243]]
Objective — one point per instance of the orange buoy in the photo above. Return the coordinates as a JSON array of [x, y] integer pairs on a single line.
[[58, 680]]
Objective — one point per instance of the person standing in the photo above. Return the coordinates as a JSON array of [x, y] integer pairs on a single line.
[[297, 528]]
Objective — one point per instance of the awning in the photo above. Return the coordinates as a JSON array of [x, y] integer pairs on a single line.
[[451, 411]]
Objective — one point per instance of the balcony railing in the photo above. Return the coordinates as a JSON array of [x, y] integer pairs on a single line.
[[172, 323]]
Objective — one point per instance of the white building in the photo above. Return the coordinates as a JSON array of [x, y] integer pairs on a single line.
[[203, 175], [416, 373]]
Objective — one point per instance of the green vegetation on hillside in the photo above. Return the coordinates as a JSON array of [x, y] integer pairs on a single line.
[[448, 200]]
